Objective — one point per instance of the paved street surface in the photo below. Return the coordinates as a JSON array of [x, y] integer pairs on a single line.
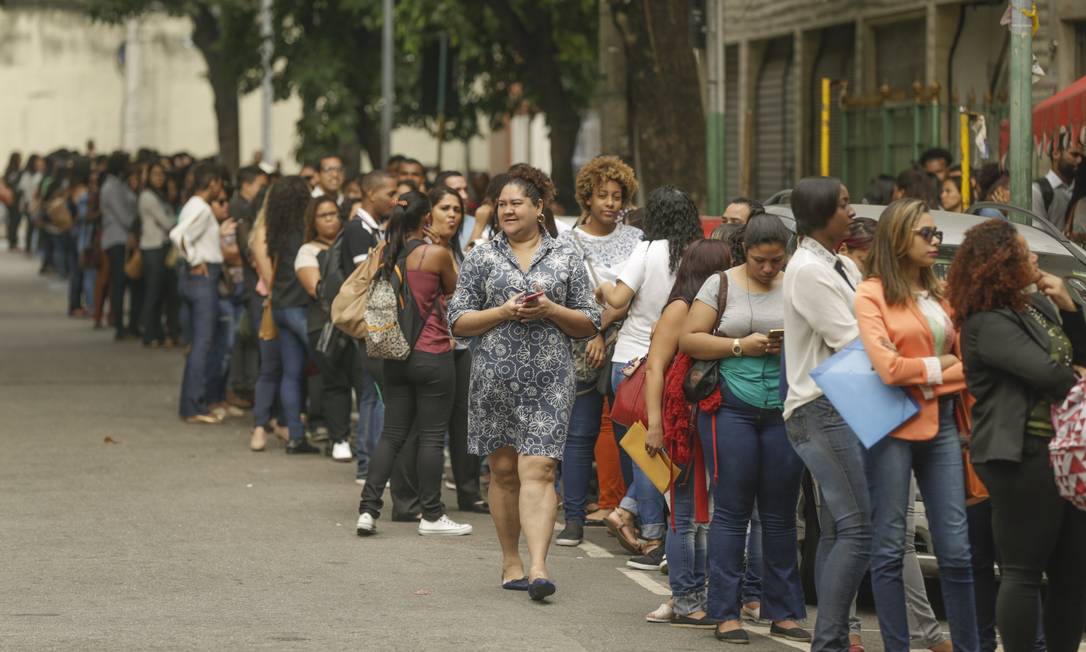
[[123, 528]]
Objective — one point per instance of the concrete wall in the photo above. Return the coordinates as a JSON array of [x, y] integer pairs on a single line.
[[64, 82]]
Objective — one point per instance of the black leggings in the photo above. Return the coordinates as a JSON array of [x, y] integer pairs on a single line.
[[418, 395], [338, 374], [1036, 532], [465, 466]]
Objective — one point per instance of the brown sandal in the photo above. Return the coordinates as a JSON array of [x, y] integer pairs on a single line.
[[620, 524]]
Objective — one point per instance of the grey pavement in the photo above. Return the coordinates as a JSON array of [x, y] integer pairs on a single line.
[[123, 528]]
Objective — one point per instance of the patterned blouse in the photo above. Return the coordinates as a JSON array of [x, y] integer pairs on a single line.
[[522, 386]]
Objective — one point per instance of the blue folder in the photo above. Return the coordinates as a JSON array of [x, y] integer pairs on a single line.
[[870, 407]]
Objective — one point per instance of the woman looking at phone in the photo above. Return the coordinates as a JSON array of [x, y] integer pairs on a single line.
[[747, 452], [522, 388]]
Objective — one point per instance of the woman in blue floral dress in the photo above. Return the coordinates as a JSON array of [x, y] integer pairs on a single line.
[[522, 386]]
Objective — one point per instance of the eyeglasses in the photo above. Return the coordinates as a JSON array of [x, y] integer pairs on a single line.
[[332, 168], [326, 215], [220, 202], [929, 233]]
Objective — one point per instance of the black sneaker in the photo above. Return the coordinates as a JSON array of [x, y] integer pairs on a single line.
[[300, 446], [649, 561], [571, 535]]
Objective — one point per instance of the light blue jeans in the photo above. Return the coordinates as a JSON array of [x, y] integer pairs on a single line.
[[686, 548], [642, 497]]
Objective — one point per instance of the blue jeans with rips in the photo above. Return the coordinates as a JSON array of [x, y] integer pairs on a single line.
[[642, 496], [834, 456]]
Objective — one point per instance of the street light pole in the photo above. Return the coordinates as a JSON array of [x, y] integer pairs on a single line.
[[266, 96], [388, 92], [1021, 80]]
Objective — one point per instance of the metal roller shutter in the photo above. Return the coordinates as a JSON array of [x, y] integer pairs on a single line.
[[773, 119]]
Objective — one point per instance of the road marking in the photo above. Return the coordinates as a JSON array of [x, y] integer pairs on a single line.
[[645, 581], [594, 551]]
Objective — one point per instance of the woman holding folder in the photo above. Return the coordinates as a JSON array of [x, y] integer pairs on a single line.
[[751, 459], [907, 331]]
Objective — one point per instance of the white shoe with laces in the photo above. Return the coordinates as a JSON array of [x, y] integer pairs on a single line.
[[443, 526], [341, 451]]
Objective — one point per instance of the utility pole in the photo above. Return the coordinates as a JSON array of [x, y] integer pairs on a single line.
[[388, 91], [1021, 81], [266, 97], [131, 121], [714, 119]]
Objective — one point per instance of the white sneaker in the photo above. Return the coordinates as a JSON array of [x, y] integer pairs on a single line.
[[341, 451], [367, 525], [443, 526]]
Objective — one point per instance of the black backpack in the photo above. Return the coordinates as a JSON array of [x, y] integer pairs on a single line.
[[410, 317], [1047, 193], [332, 275]]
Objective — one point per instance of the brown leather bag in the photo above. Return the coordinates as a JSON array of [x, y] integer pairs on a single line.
[[59, 216], [133, 265]]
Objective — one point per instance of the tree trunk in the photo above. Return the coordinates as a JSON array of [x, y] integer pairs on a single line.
[[664, 90], [564, 123], [224, 86]]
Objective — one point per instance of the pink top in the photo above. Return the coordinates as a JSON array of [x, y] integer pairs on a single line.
[[426, 288]]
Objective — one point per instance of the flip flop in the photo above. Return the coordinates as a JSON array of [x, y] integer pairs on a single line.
[[540, 589], [520, 584]]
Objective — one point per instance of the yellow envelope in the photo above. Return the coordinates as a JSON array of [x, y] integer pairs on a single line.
[[658, 467]]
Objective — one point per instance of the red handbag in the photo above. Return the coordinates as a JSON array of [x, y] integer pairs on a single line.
[[629, 407]]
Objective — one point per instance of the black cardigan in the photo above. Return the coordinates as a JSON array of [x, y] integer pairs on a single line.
[[1008, 368]]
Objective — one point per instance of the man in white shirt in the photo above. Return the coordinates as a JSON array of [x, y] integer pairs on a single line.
[[1052, 192], [197, 237], [819, 319]]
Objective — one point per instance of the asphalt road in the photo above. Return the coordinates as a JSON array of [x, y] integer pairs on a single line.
[[123, 528]]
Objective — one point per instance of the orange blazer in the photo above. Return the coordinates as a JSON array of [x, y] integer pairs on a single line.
[[898, 339]]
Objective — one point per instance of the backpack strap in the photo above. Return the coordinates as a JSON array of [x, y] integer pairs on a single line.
[[721, 300], [1047, 192]]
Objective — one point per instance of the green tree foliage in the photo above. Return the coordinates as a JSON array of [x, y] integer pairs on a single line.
[[225, 33]]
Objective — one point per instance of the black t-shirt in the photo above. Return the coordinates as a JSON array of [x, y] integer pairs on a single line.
[[287, 291], [357, 241]]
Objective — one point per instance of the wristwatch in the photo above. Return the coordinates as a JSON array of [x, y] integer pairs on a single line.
[[737, 348]]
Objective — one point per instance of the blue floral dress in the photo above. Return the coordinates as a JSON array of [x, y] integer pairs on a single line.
[[522, 385]]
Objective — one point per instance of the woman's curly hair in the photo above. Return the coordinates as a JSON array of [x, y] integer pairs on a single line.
[[989, 271], [671, 215], [287, 201], [599, 171], [536, 184]]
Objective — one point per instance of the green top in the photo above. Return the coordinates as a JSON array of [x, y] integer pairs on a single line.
[[1039, 423], [755, 381]]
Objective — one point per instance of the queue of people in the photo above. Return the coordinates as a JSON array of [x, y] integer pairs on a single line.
[[507, 337]]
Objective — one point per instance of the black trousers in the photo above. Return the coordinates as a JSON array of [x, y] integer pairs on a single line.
[[1036, 532], [418, 395], [465, 466], [118, 284], [339, 372], [159, 296]]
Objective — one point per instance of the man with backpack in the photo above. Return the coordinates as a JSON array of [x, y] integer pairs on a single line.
[[1052, 192], [360, 235]]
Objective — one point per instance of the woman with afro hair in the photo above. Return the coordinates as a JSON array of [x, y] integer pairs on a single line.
[[604, 187]]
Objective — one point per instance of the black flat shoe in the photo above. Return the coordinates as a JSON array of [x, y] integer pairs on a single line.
[[705, 622], [735, 636], [300, 447], [540, 588], [520, 584], [791, 633]]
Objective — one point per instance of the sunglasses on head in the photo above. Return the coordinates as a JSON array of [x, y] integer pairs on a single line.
[[930, 233]]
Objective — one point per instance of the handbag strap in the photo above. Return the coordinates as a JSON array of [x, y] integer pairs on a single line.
[[587, 261], [721, 299]]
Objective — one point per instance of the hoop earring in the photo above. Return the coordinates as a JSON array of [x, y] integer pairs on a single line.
[[540, 218]]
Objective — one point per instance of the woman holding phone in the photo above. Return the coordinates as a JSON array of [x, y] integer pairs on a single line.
[[523, 297], [747, 452]]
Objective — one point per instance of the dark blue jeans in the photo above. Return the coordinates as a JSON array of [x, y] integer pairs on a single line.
[[294, 345], [754, 463], [579, 451], [200, 293], [271, 369], [222, 350], [686, 547], [371, 414], [642, 496], [752, 575], [939, 475], [835, 458]]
